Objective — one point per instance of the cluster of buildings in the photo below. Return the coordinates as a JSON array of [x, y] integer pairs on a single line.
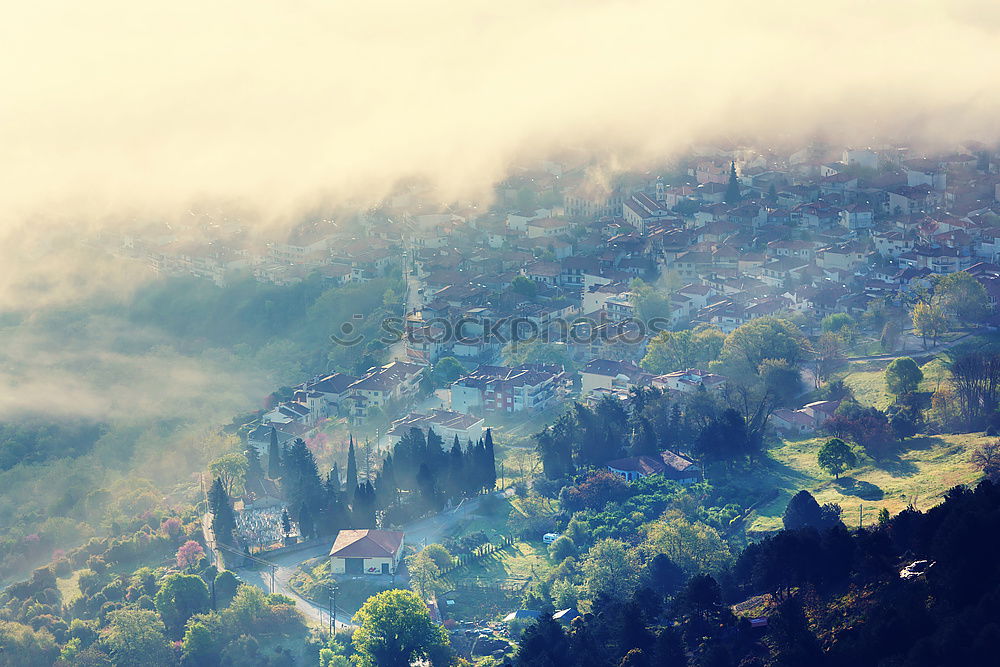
[[817, 231]]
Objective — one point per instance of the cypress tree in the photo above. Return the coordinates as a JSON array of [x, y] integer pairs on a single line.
[[435, 450], [427, 486], [332, 485], [223, 519], [255, 473], [733, 187], [306, 526], [363, 510], [388, 482], [273, 456], [352, 472], [456, 471], [489, 462], [286, 522]]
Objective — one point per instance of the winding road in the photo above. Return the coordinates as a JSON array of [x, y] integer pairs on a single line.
[[419, 534]]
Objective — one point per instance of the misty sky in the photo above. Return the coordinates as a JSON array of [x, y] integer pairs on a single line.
[[113, 108]]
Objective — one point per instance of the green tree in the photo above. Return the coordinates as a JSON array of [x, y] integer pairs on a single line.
[[226, 584], [610, 569], [135, 638], [199, 647], [650, 303], [803, 511], [425, 575], [672, 351], [902, 376], [839, 323], [180, 597], [524, 286], [732, 194], [764, 338], [231, 470], [537, 352], [273, 456], [836, 456], [437, 553], [21, 645], [963, 297], [694, 546], [781, 379], [352, 472], [929, 321], [562, 548], [446, 371], [223, 519], [395, 629], [891, 332]]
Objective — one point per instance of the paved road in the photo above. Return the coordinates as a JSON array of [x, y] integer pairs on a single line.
[[413, 301]]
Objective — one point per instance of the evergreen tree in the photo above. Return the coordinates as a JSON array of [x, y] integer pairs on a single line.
[[273, 456], [352, 472], [306, 526], [435, 457], [255, 473], [387, 483], [489, 462], [334, 515], [363, 509], [456, 471], [223, 519], [428, 488], [803, 511], [733, 187], [644, 440], [286, 522], [301, 482], [332, 484]]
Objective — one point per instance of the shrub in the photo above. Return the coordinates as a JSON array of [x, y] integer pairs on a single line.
[[562, 548]]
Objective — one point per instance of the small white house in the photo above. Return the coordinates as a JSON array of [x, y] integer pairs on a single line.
[[366, 552]]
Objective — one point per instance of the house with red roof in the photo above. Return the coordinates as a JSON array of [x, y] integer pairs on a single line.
[[366, 552]]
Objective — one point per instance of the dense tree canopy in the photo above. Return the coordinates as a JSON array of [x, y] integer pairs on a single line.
[[671, 351], [764, 338], [395, 629], [902, 376]]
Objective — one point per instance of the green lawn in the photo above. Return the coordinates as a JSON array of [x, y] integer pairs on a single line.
[[867, 381], [520, 560], [921, 472], [69, 587]]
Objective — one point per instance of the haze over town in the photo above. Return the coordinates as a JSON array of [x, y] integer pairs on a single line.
[[611, 333]]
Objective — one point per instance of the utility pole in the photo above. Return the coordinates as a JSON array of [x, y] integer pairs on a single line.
[[329, 600], [860, 515], [332, 589]]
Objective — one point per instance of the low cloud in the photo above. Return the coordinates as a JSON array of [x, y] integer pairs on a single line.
[[115, 109]]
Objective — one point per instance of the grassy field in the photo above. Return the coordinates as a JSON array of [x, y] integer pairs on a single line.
[[867, 380], [919, 473], [69, 587]]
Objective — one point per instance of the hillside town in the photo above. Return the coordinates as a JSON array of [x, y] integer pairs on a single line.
[[583, 273]]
